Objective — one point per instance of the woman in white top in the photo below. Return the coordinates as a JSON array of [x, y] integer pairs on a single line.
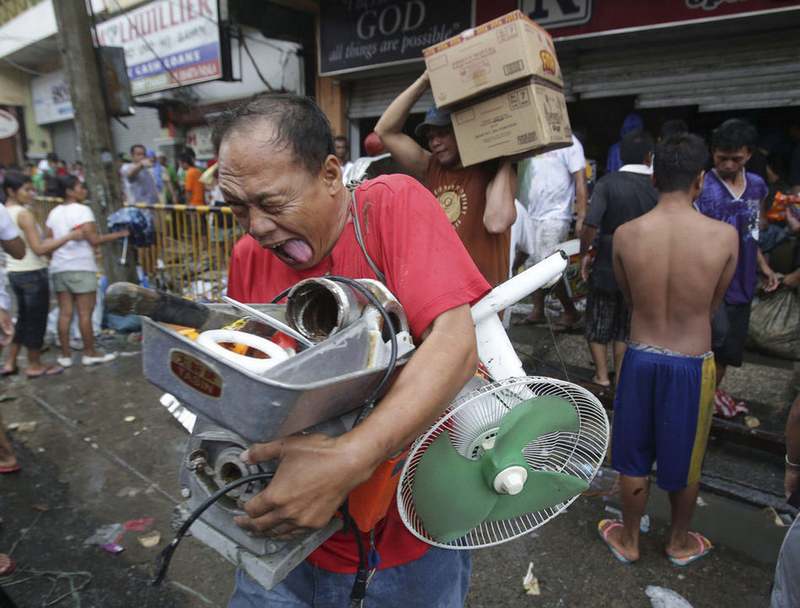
[[74, 270], [28, 279]]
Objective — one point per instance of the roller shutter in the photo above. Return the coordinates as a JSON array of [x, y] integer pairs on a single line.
[[369, 97]]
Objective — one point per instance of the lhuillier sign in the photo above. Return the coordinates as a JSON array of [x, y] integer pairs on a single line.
[[360, 34]]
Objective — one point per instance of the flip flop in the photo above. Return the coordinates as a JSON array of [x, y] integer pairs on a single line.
[[52, 370], [705, 547], [9, 372], [604, 526], [7, 564], [14, 468]]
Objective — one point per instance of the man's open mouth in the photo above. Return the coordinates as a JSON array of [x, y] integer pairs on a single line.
[[293, 251]]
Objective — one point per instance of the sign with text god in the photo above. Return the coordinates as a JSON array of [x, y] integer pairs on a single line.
[[360, 34]]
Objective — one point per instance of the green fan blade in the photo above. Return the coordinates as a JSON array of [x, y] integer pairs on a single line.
[[542, 489], [524, 423], [450, 494]]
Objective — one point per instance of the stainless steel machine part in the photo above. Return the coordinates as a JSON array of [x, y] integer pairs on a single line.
[[270, 320]]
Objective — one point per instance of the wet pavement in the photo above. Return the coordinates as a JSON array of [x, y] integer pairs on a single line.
[[85, 466]]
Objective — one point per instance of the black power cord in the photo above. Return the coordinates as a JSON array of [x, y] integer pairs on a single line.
[[164, 558]]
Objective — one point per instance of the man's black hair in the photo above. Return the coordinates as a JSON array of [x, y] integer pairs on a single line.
[[340, 138], [13, 181], [142, 146], [734, 134], [635, 146], [66, 182], [297, 122], [185, 157], [676, 126], [679, 160]]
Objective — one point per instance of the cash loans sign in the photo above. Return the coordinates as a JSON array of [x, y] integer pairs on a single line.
[[359, 34], [168, 43]]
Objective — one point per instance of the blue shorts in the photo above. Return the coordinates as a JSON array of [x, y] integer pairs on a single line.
[[439, 579], [662, 413]]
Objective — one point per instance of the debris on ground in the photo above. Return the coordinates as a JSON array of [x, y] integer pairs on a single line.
[[752, 422], [701, 502], [613, 511], [23, 427], [130, 418], [128, 492], [530, 583], [605, 483], [644, 524], [661, 597], [150, 540], [139, 525], [107, 537]]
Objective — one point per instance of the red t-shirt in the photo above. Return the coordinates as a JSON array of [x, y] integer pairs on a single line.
[[427, 269]]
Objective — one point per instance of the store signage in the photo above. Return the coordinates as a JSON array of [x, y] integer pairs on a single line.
[[9, 126], [360, 34], [558, 13], [51, 100], [168, 43], [566, 18], [200, 140]]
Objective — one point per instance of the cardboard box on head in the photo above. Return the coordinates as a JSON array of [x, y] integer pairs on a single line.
[[494, 54]]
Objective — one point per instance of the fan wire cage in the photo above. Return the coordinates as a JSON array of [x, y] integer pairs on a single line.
[[475, 418]]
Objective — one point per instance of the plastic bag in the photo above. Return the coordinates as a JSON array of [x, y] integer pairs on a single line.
[[139, 223], [775, 324]]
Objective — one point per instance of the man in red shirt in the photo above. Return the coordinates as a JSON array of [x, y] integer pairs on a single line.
[[279, 174]]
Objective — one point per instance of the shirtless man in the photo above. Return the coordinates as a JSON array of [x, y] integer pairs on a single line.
[[673, 265]]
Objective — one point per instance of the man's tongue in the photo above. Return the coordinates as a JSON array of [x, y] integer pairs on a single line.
[[298, 250]]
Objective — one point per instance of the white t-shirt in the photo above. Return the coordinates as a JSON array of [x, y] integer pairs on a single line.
[[74, 255], [8, 231], [547, 187]]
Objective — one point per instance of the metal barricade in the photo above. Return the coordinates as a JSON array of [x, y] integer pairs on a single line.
[[192, 251]]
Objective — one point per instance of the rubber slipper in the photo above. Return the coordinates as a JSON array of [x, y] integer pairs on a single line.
[[52, 370], [9, 372], [7, 564], [14, 468], [704, 545], [604, 526]]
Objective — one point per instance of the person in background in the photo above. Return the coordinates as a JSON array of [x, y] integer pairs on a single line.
[[478, 200], [786, 588], [632, 122], [676, 126], [673, 265], [619, 197], [78, 171], [733, 195], [342, 150], [137, 178], [74, 269], [548, 185], [29, 280], [192, 187], [14, 246], [170, 181], [48, 163]]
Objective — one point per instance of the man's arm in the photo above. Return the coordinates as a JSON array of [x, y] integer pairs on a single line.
[[133, 169], [407, 152], [500, 211], [731, 243], [587, 237], [619, 267], [317, 472], [581, 198], [772, 279]]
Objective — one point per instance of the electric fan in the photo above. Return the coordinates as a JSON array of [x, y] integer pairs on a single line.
[[502, 461]]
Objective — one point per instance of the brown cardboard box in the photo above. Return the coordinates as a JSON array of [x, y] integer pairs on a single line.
[[494, 54], [518, 122]]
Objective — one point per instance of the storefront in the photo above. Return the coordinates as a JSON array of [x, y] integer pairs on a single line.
[[694, 59]]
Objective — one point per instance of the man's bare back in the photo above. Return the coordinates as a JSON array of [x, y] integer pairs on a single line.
[[674, 264]]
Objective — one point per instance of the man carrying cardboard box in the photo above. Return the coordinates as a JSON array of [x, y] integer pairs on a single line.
[[478, 200]]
